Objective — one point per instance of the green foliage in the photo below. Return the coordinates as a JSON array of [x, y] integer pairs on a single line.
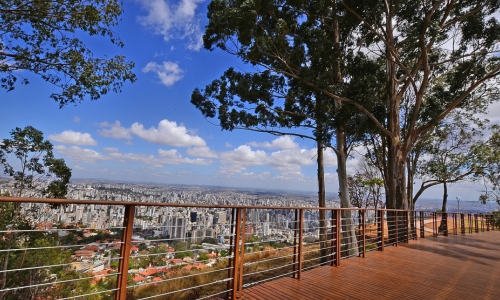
[[43, 38], [183, 254], [457, 151], [365, 187], [496, 218], [180, 246], [251, 239], [203, 256], [19, 256], [143, 246], [210, 240], [39, 171]]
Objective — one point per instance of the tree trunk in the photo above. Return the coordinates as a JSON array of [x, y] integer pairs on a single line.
[[322, 203], [409, 187], [396, 187], [444, 221], [348, 228], [445, 197]]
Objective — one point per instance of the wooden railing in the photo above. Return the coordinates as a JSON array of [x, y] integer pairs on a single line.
[[291, 241]]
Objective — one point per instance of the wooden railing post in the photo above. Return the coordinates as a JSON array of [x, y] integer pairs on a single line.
[[338, 237], [482, 222], [471, 224], [476, 221], [455, 227], [242, 255], [295, 237], [333, 243], [363, 214], [407, 219], [422, 224], [444, 220], [128, 224], [301, 243], [231, 261], [237, 238], [434, 223], [396, 222], [462, 224], [381, 229], [415, 235]]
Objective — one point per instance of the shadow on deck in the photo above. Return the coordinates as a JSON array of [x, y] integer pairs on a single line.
[[454, 267]]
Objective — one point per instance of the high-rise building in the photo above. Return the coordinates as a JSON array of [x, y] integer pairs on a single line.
[[175, 227], [265, 229], [79, 214], [221, 216], [193, 216]]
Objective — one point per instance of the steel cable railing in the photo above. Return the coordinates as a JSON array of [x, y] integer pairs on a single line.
[[201, 251]]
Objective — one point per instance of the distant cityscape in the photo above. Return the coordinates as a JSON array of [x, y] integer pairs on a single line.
[[103, 217]]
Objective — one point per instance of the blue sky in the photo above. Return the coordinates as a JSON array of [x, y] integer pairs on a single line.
[[151, 132]]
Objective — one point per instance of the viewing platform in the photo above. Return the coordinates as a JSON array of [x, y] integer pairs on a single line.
[[452, 267], [70, 249]]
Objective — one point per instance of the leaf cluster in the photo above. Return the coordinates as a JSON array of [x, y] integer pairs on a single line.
[[39, 171], [42, 37]]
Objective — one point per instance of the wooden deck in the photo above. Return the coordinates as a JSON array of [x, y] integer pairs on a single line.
[[454, 267]]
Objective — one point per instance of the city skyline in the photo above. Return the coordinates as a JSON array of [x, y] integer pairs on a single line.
[[151, 132]]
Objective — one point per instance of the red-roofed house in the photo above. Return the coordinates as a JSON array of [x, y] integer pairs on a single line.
[[138, 279], [92, 247], [157, 279], [195, 265], [148, 273]]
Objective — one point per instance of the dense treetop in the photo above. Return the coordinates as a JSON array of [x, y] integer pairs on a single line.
[[44, 38]]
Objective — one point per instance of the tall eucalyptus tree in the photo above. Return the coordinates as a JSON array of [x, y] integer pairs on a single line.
[[286, 45]]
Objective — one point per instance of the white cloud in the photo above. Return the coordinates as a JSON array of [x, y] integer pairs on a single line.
[[292, 160], [165, 157], [172, 157], [287, 161], [231, 169], [126, 157], [283, 142], [293, 176], [110, 149], [73, 138], [168, 133], [201, 152], [244, 156], [114, 131], [168, 72], [256, 176], [76, 119], [331, 176], [78, 154], [174, 21], [227, 145], [329, 158]]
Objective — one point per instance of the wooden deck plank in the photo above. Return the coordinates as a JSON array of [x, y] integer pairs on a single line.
[[453, 267]]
